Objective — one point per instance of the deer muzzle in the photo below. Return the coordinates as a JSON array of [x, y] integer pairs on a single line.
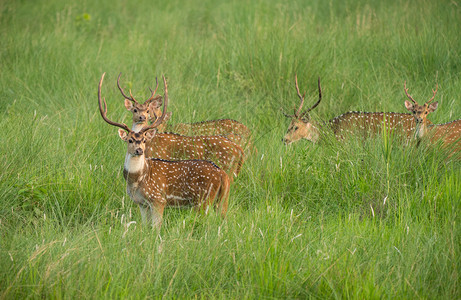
[[138, 151]]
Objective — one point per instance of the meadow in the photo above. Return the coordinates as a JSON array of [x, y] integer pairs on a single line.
[[359, 219]]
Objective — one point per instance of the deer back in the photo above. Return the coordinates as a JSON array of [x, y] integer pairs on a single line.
[[218, 149], [448, 133], [373, 122], [234, 130]]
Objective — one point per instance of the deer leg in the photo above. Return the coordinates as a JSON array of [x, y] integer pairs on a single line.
[[154, 213], [144, 213]]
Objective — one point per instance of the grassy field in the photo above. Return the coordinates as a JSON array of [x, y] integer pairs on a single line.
[[357, 219]]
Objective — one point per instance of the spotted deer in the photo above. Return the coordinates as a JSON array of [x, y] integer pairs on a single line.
[[142, 112], [154, 183], [449, 134], [151, 110], [353, 122], [233, 130], [420, 112], [172, 146]]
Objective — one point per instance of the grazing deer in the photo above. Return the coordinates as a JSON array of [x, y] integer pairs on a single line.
[[420, 112], [171, 146], [301, 127], [156, 183], [448, 133]]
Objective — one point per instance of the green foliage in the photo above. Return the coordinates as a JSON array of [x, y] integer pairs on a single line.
[[373, 218]]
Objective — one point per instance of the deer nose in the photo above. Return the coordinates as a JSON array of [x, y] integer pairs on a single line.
[[138, 151], [142, 118]]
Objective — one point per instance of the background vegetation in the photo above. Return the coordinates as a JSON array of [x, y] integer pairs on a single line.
[[359, 219]]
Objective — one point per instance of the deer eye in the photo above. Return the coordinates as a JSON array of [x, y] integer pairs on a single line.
[[296, 128], [130, 141], [147, 111], [135, 110], [425, 112]]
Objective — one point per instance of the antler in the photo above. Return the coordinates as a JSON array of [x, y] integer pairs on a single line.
[[297, 112], [121, 90], [406, 92], [317, 103], [433, 93], [429, 101], [152, 96], [300, 97], [159, 120], [104, 112]]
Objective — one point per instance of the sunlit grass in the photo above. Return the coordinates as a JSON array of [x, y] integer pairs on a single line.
[[373, 218]]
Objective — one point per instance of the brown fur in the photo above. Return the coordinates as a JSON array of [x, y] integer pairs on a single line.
[[225, 153]]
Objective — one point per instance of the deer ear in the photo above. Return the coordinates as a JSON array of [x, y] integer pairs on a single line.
[[123, 135], [408, 105], [157, 103], [433, 106], [128, 104], [150, 134]]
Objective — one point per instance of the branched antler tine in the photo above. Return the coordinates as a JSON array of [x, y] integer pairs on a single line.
[[121, 90], [104, 112], [165, 104], [153, 92], [300, 97], [320, 99], [133, 97], [433, 92], [406, 92]]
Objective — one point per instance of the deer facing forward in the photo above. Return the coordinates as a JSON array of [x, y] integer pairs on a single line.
[[154, 184], [172, 146], [449, 134]]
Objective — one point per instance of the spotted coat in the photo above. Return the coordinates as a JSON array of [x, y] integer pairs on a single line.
[[171, 146]]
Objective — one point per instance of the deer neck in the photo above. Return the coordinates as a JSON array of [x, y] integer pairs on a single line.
[[136, 127], [134, 167], [314, 134], [420, 130]]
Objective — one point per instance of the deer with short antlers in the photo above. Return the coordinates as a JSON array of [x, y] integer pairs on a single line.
[[448, 133], [156, 183], [353, 122], [420, 112], [172, 146]]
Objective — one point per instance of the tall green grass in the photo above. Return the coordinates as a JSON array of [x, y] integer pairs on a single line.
[[373, 218]]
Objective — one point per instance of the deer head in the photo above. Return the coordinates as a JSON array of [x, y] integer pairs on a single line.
[[301, 126], [420, 112], [136, 140], [142, 112]]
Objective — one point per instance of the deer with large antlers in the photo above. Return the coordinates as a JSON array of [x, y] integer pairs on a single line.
[[151, 110], [449, 134], [156, 183], [142, 112], [353, 122], [172, 146]]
